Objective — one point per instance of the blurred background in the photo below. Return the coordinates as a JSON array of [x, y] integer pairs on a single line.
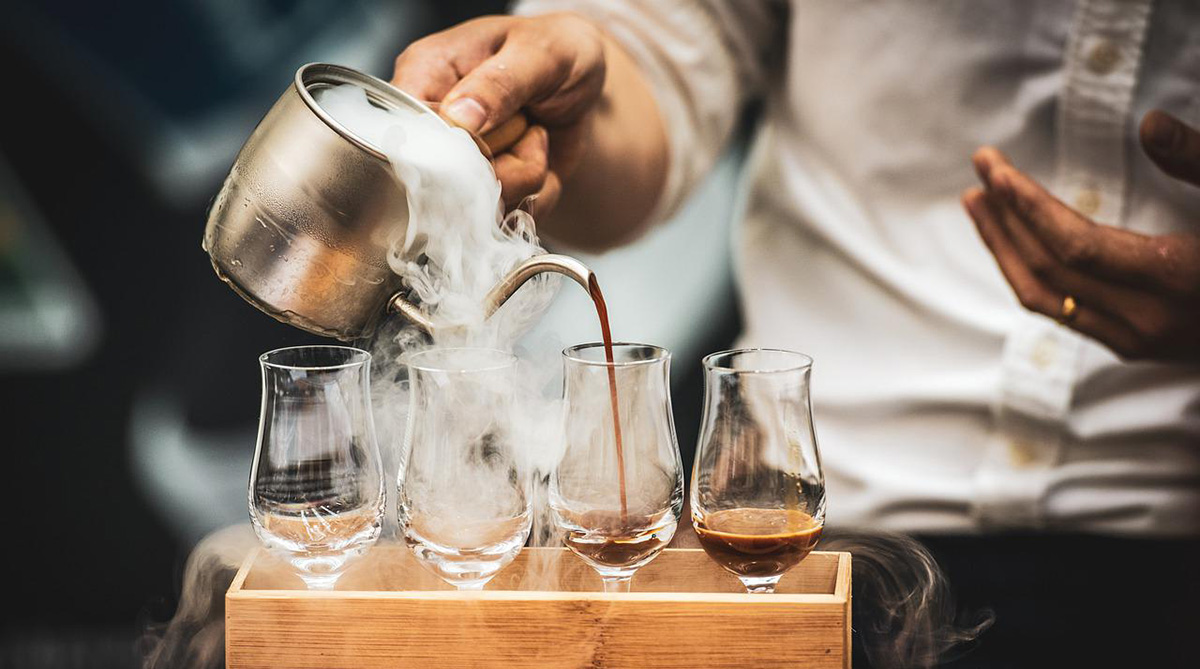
[[128, 371]]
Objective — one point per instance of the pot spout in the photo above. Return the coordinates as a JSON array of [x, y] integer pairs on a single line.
[[509, 285], [546, 262]]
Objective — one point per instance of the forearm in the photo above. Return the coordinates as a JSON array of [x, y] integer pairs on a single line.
[[616, 185]]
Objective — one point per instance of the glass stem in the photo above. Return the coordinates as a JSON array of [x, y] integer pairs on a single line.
[[760, 585], [617, 583], [319, 572], [320, 581]]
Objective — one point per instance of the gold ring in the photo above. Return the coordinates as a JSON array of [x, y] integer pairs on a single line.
[[1069, 309]]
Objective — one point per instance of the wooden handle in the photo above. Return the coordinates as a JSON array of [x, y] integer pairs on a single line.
[[502, 137]]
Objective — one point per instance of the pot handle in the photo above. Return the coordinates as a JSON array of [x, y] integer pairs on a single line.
[[498, 139]]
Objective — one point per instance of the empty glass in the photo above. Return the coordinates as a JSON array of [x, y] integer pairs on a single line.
[[758, 494], [618, 490], [464, 504], [316, 486]]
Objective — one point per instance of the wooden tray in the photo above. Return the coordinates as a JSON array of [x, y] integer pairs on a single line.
[[544, 610]]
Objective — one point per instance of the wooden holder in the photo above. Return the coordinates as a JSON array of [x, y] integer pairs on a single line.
[[544, 610]]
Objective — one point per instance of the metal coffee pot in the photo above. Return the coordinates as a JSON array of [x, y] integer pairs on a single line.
[[300, 227]]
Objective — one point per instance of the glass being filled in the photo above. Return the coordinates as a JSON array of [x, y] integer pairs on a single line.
[[316, 487], [464, 500], [617, 491], [758, 493]]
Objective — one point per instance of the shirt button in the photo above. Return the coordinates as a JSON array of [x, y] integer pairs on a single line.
[[1087, 201], [1044, 353], [1103, 57], [1022, 454]]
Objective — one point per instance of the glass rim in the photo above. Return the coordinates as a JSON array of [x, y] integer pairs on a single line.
[[358, 357], [660, 354], [509, 360], [804, 361]]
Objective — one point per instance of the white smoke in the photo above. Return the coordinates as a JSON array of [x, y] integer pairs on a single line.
[[456, 245]]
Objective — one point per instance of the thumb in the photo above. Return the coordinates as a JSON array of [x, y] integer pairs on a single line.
[[1172, 144], [492, 92]]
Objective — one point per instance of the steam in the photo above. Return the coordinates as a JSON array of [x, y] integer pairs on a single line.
[[457, 244], [904, 613], [195, 637]]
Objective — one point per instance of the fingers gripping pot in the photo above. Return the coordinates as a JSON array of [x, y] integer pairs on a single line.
[[301, 225]]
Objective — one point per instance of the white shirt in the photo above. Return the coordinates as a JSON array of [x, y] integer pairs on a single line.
[[941, 405]]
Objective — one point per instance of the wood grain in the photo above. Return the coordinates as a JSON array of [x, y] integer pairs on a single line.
[[544, 610]]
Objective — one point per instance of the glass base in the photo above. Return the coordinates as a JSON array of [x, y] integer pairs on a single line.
[[760, 585], [320, 581], [615, 580], [465, 569], [320, 573]]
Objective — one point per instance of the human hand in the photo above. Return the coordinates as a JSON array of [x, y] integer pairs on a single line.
[[484, 71], [1137, 294]]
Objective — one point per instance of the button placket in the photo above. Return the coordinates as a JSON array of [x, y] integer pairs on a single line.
[[1011, 483], [1102, 60], [1039, 366], [1040, 360], [1037, 383]]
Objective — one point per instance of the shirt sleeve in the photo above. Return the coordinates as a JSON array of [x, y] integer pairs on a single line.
[[703, 59]]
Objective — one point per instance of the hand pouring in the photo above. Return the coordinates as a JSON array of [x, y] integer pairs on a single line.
[[300, 227]]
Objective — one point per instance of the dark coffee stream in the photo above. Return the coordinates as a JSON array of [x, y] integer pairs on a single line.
[[606, 333]]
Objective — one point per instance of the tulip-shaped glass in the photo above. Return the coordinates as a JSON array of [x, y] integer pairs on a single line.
[[464, 504], [617, 492], [316, 487], [758, 494]]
